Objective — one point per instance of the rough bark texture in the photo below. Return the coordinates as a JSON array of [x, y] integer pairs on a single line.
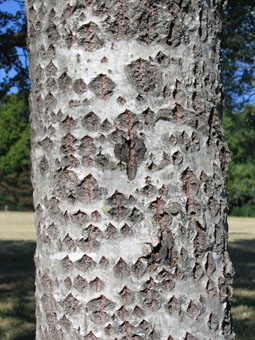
[[129, 167]]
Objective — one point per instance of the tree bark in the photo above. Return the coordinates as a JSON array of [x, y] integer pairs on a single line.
[[129, 170]]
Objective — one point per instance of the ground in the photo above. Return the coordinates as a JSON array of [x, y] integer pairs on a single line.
[[17, 245]]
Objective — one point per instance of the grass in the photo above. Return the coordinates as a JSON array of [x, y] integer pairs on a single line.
[[242, 252], [17, 290], [241, 228], [17, 226], [17, 245]]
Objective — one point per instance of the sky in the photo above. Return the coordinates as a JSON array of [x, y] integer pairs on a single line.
[[12, 7]]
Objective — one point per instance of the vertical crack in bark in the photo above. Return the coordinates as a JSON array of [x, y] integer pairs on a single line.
[[101, 309], [118, 205], [90, 237], [149, 20], [132, 149], [85, 262], [69, 10], [51, 299], [122, 12], [90, 36], [70, 140], [97, 216], [158, 208], [66, 216], [177, 99], [123, 315], [70, 41], [187, 182], [89, 188], [117, 36], [126, 294], [102, 85], [90, 161], [97, 283], [140, 74], [92, 336], [122, 21]]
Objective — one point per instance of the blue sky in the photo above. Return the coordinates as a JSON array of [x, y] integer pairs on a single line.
[[12, 7]]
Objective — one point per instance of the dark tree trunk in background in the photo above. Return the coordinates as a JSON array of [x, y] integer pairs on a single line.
[[129, 168]]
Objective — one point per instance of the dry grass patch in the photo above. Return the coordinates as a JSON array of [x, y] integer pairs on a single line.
[[241, 228], [17, 226]]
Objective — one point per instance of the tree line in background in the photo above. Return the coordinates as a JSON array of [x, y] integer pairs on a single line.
[[238, 71]]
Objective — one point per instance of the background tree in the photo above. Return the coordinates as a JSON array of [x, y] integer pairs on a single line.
[[238, 54], [129, 166], [13, 52], [240, 134], [15, 185]]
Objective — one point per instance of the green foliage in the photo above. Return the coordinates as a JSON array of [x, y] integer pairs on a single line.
[[14, 134], [241, 187], [16, 191], [238, 51], [247, 210], [240, 135], [15, 184], [18, 156], [13, 50]]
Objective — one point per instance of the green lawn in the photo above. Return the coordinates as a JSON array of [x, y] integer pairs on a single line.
[[17, 245]]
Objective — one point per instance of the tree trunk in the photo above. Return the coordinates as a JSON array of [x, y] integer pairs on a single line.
[[129, 169]]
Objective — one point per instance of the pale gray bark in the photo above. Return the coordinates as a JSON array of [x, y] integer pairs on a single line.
[[129, 167]]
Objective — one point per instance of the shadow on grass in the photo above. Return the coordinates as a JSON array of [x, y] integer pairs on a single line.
[[243, 257], [242, 254], [17, 320]]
